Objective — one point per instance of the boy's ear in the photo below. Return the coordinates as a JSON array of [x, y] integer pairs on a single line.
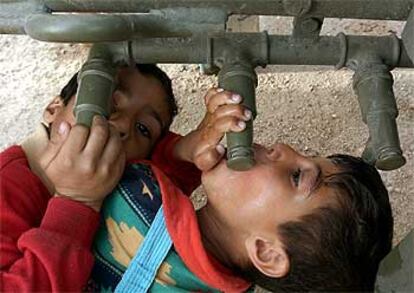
[[53, 109], [269, 257]]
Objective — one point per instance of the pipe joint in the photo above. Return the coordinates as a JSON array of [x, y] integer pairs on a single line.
[[252, 49], [372, 55]]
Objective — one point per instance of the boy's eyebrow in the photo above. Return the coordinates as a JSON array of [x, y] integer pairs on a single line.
[[157, 117], [318, 181]]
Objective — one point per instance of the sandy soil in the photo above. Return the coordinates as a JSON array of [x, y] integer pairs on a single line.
[[315, 111]]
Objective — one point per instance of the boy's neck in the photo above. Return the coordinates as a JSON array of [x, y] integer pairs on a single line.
[[217, 240]]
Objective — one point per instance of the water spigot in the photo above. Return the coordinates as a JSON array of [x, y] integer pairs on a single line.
[[373, 84], [240, 78]]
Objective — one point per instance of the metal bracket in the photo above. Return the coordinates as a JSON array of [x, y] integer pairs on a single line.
[[307, 27]]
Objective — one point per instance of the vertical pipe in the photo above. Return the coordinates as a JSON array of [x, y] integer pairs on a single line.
[[374, 87], [96, 84], [241, 79]]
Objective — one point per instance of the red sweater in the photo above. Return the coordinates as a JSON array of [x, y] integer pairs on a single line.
[[45, 241]]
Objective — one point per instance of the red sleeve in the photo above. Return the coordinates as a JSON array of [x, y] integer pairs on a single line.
[[44, 243], [185, 175]]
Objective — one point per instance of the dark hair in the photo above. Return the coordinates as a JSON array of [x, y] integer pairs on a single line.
[[337, 248], [146, 69]]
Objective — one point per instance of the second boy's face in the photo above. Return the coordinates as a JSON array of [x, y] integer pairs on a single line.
[[281, 187], [141, 112]]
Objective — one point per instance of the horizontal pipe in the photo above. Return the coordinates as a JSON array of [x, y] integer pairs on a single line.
[[282, 50], [362, 9], [112, 28], [79, 28], [92, 27], [13, 15]]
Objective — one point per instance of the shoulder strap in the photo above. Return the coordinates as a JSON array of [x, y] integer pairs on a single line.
[[143, 268]]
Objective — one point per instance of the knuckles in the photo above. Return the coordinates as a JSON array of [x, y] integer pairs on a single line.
[[87, 169], [100, 130], [67, 162]]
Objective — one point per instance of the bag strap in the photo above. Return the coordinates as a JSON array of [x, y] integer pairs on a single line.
[[143, 268]]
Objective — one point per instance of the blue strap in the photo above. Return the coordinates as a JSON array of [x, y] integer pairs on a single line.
[[143, 268]]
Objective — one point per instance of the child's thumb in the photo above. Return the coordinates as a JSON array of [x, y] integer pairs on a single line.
[[209, 158], [63, 131], [55, 144]]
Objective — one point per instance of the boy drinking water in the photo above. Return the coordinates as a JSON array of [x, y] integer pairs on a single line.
[[292, 223]]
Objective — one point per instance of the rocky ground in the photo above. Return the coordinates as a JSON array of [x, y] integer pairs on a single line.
[[314, 110]]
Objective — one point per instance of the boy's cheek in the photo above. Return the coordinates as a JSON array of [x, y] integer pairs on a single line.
[[137, 149]]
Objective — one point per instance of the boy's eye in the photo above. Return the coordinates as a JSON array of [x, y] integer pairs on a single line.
[[296, 177], [143, 129]]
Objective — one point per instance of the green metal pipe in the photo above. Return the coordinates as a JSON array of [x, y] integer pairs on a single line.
[[281, 50], [242, 79], [396, 271], [13, 15], [373, 84], [96, 84], [82, 28], [408, 36], [116, 27], [364, 9]]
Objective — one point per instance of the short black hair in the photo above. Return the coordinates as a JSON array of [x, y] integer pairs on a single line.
[[337, 248], [69, 90]]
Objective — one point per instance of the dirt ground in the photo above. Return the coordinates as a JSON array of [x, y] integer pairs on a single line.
[[314, 110]]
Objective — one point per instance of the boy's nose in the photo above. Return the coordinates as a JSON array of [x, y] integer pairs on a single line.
[[122, 125], [118, 99], [279, 150]]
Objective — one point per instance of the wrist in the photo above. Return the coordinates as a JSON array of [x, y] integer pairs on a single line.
[[95, 205]]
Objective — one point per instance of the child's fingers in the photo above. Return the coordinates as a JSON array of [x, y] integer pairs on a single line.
[[223, 125], [215, 132], [113, 163], [210, 93], [77, 139], [113, 148], [209, 158], [55, 144], [237, 111], [97, 140], [223, 98]]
